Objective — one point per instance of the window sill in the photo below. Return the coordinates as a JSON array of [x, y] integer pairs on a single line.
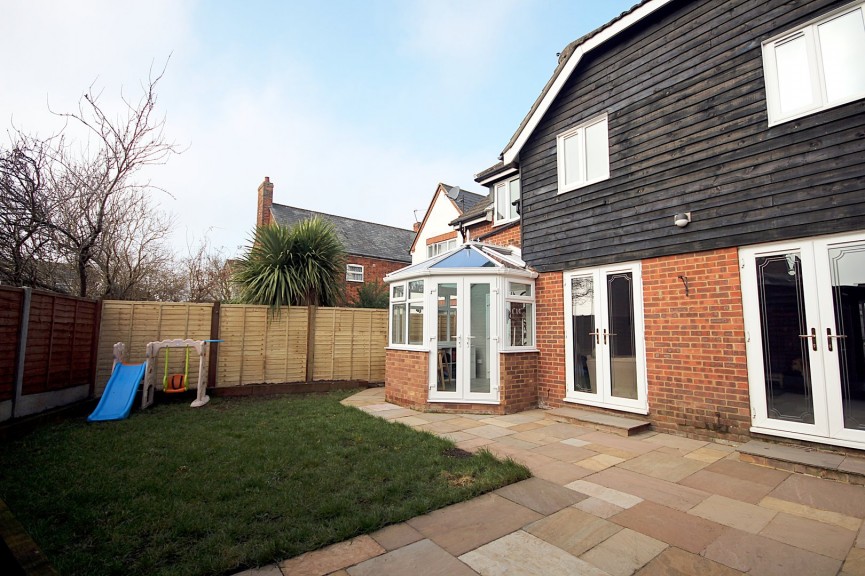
[[643, 411], [497, 223], [572, 187], [517, 350], [406, 348], [355, 281]]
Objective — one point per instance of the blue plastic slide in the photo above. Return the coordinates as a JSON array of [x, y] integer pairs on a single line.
[[116, 401]]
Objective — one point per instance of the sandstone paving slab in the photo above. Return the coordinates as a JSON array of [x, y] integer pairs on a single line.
[[671, 467], [530, 459], [714, 483], [632, 445], [678, 442], [411, 421], [464, 424], [707, 454], [536, 437], [756, 554], [332, 558], [848, 499], [269, 570], [600, 462], [742, 515], [691, 533], [611, 495], [660, 491], [423, 558], [794, 454], [517, 442], [854, 564], [436, 416], [558, 472], [564, 452], [564, 431], [527, 427], [746, 471], [826, 539], [677, 562], [796, 509], [489, 431], [572, 530], [442, 426], [396, 536], [381, 407], [624, 552], [540, 495], [854, 464], [394, 414], [457, 436], [860, 538], [474, 444], [612, 451], [339, 573], [523, 553], [575, 442], [467, 525], [598, 507], [496, 421]]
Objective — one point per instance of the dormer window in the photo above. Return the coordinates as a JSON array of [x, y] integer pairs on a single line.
[[583, 154], [507, 199]]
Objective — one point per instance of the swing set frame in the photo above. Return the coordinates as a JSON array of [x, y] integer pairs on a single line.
[[201, 348]]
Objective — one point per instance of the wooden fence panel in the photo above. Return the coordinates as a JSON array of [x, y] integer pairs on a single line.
[[349, 344], [11, 300], [255, 349], [138, 323]]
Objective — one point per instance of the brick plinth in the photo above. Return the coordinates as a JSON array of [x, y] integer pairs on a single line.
[[549, 290], [518, 374], [406, 376], [695, 345]]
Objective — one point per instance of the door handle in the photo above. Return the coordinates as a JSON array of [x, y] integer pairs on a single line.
[[597, 336], [813, 336], [829, 337], [610, 334]]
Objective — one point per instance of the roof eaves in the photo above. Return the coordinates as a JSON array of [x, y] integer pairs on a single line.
[[568, 60]]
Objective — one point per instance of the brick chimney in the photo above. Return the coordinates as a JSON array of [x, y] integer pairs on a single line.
[[416, 226], [265, 201]]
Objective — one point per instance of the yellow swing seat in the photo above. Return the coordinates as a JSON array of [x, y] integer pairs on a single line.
[[175, 383]]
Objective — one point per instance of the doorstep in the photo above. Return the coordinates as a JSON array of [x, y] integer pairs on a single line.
[[805, 460], [603, 422]]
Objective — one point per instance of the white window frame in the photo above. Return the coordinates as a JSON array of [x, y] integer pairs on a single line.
[[819, 98], [504, 187], [354, 273], [437, 248], [579, 133], [400, 296], [530, 299]]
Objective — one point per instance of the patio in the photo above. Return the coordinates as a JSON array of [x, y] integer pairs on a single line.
[[604, 504]]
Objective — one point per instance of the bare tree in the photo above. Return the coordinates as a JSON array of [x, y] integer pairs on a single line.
[[81, 209], [207, 273]]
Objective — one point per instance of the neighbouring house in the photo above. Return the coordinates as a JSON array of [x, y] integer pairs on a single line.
[[692, 205], [435, 234], [372, 250]]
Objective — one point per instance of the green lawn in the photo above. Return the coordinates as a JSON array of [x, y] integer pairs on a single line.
[[238, 483]]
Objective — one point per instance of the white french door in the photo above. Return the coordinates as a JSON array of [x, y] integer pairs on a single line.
[[604, 339], [804, 305], [464, 359]]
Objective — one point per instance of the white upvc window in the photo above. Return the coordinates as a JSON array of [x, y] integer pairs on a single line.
[[441, 247], [817, 66], [353, 273], [520, 314], [583, 154], [406, 313], [506, 194]]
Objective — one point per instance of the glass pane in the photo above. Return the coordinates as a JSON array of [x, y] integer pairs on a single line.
[[465, 258], [397, 324], [501, 202], [446, 335], [597, 152], [848, 295], [398, 292], [519, 289], [415, 324], [583, 327], [572, 158], [794, 76], [842, 43], [415, 289], [479, 338], [519, 316], [787, 367], [513, 196], [622, 335]]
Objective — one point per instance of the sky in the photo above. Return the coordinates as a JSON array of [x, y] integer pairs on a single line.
[[355, 108]]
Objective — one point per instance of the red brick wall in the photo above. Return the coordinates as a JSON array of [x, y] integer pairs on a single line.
[[549, 290], [406, 376], [500, 235], [695, 346], [440, 237], [518, 374], [374, 270]]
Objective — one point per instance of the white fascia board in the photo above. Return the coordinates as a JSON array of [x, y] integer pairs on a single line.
[[510, 154], [499, 176]]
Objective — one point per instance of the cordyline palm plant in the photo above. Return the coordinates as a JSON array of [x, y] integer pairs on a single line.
[[299, 265]]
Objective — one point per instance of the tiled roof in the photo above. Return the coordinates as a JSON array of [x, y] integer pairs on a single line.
[[360, 238], [477, 211], [465, 200]]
